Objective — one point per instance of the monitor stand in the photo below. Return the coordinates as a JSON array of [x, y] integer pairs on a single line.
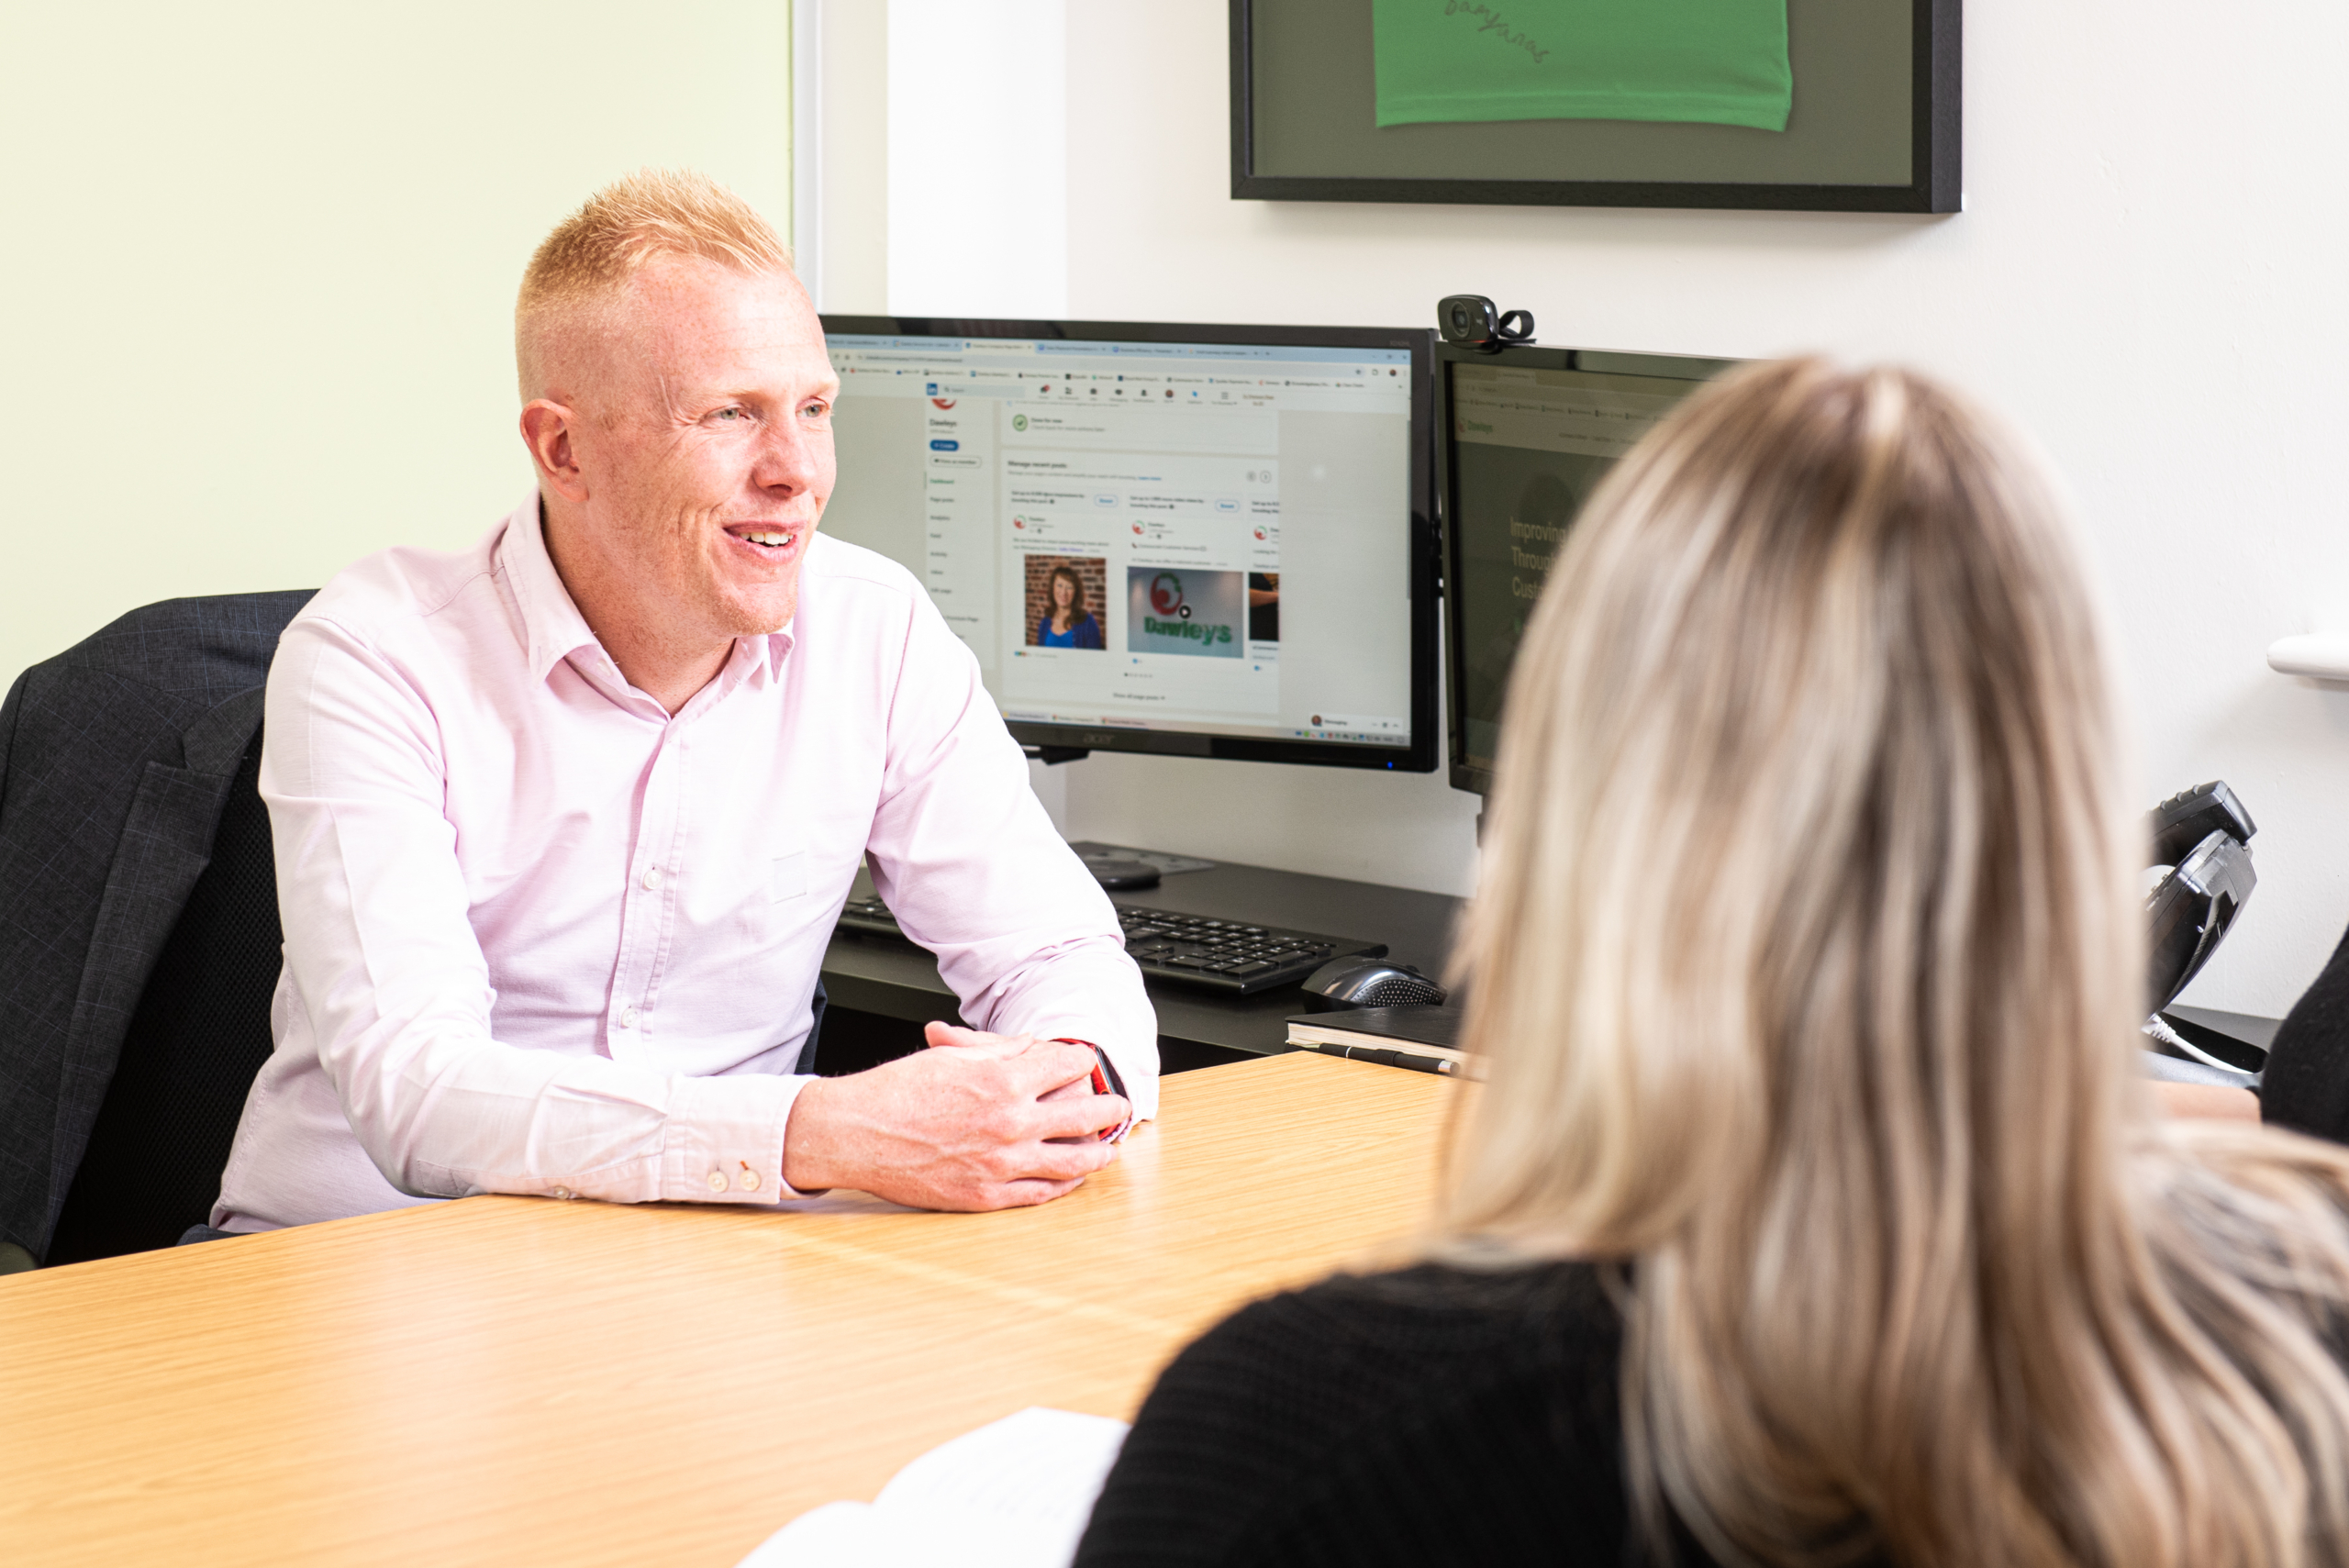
[[1123, 870], [1120, 875]]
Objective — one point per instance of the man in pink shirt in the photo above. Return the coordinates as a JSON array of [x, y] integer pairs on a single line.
[[563, 821]]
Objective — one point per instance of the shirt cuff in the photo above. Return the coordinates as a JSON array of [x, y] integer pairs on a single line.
[[725, 1139]]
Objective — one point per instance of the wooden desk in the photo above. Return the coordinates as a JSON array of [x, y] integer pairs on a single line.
[[518, 1381]]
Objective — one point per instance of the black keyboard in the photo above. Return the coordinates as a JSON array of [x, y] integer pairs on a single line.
[[1230, 956]]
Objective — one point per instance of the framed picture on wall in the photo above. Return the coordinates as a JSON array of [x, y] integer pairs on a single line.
[[1820, 105]]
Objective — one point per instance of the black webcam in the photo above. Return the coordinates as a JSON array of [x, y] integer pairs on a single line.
[[1472, 321]]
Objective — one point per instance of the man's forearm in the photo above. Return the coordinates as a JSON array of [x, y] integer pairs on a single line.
[[977, 1122]]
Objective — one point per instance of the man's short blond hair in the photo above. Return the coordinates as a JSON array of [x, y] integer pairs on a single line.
[[639, 217]]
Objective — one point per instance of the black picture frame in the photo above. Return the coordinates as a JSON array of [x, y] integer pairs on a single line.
[[1065, 741], [1935, 145]]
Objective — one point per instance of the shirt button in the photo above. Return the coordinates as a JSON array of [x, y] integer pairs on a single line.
[[652, 879], [750, 1181], [628, 1018], [717, 1181], [563, 1193]]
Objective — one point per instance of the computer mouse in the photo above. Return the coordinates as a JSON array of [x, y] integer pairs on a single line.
[[1357, 980]]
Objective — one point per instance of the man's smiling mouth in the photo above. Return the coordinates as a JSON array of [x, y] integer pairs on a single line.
[[775, 541]]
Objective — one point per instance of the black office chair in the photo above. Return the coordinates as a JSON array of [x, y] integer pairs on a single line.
[[138, 932], [2308, 1065], [201, 1032]]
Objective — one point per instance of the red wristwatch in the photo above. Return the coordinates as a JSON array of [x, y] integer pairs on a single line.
[[1105, 1081]]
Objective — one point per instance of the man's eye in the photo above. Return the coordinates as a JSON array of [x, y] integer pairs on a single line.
[[815, 410]]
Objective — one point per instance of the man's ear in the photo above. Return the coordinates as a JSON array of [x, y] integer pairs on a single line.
[[546, 431]]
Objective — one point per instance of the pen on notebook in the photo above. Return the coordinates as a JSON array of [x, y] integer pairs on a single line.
[[1385, 1058]]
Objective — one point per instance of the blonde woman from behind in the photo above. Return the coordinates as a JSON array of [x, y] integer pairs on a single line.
[[1812, 1214]]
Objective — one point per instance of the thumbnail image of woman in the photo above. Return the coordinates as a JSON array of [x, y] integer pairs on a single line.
[[1068, 624]]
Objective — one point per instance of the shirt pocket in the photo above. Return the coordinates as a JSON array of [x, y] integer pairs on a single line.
[[787, 877]]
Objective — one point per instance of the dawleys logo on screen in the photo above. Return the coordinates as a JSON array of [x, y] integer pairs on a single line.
[[1167, 598], [1194, 610]]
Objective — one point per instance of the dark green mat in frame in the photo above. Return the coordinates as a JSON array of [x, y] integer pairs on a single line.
[[1874, 125]]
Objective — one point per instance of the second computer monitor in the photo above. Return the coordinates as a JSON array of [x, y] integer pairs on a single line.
[[1200, 540], [1527, 434]]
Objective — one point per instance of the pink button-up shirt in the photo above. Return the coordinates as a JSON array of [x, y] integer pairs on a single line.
[[543, 937]]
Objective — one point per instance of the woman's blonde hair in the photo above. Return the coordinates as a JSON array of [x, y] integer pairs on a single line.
[[1806, 963]]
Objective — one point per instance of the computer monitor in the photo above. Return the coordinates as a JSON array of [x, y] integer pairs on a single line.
[[1210, 541], [1525, 435]]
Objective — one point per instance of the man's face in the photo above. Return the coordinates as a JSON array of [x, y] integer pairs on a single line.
[[705, 439]]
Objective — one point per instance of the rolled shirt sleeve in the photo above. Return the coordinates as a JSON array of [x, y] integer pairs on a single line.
[[968, 862]]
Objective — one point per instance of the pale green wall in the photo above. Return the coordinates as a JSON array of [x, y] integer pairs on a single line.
[[258, 261]]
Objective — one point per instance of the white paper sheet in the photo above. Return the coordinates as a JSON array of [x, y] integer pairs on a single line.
[[1014, 1493]]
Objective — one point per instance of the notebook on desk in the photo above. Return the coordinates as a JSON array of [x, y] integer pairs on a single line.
[[1417, 1036], [1014, 1493]]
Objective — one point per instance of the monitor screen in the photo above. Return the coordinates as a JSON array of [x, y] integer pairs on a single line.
[[1204, 540], [1526, 435]]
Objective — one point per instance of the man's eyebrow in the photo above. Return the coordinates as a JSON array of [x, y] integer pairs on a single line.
[[718, 396]]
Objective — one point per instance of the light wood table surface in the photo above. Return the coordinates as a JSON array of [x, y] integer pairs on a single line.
[[521, 1380]]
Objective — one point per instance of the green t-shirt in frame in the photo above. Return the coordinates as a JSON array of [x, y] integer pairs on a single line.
[[1723, 61]]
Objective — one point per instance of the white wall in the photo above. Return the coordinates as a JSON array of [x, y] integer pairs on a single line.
[[2147, 277], [978, 159], [260, 264], [850, 208]]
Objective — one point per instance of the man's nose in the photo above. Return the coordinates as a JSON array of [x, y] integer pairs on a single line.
[[787, 459]]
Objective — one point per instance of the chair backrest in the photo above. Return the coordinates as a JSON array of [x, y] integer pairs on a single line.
[[117, 760], [2307, 1082], [200, 1033]]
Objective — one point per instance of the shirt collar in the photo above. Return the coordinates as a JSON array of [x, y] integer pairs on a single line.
[[555, 630], [551, 624]]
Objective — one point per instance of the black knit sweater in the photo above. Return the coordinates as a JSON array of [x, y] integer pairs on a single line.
[[1435, 1415], [1427, 1416]]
